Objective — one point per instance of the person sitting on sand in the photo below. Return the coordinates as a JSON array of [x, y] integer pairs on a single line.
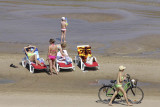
[[51, 56], [30, 53], [119, 87], [63, 29]]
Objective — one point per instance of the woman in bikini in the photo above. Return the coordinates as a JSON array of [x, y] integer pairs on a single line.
[[51, 57], [30, 53], [119, 87], [63, 29]]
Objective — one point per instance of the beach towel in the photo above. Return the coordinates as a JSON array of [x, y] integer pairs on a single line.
[[89, 60], [65, 59], [68, 60]]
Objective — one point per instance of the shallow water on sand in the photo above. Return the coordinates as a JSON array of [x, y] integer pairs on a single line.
[[139, 84], [6, 81], [98, 20]]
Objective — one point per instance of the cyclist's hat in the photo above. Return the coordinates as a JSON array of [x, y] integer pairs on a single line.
[[122, 67]]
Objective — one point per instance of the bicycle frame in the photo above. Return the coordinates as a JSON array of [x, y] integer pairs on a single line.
[[126, 86]]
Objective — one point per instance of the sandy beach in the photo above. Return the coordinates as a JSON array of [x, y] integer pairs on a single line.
[[18, 85], [120, 32], [59, 100]]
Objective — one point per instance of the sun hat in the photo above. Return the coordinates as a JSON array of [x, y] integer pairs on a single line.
[[122, 67], [63, 18]]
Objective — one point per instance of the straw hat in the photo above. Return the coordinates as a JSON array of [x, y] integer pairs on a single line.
[[122, 67]]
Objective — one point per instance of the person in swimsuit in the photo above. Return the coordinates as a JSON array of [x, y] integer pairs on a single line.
[[61, 47], [51, 56], [30, 53], [63, 29], [119, 87]]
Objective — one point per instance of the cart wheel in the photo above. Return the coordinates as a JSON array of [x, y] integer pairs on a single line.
[[74, 68], [58, 69], [31, 69], [98, 67], [24, 63], [76, 61], [83, 68]]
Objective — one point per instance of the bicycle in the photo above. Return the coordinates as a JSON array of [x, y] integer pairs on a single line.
[[135, 94]]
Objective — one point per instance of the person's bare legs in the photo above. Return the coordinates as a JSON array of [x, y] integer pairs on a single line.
[[62, 36], [38, 62], [114, 95], [34, 58], [50, 66], [125, 96], [54, 67]]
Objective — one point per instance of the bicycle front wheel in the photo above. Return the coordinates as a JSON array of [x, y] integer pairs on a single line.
[[105, 93], [135, 95]]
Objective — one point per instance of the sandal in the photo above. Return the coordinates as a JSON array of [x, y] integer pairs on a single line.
[[13, 66]]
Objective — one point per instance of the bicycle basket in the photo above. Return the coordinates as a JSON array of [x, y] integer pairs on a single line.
[[134, 82]]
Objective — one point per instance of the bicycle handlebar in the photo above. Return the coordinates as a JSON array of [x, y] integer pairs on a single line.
[[128, 76]]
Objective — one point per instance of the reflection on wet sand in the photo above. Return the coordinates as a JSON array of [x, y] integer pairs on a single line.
[[147, 13], [90, 17], [109, 21], [141, 2], [137, 45], [6, 81], [34, 3]]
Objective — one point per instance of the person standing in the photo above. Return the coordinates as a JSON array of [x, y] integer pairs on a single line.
[[63, 29], [51, 56]]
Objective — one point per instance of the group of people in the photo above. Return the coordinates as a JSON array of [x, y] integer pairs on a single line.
[[52, 49], [52, 54]]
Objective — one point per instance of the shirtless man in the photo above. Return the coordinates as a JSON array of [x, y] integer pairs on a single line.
[[63, 29]]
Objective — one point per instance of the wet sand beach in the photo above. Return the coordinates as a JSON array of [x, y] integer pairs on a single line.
[[120, 32], [36, 21]]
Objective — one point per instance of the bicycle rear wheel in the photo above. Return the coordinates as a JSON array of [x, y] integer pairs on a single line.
[[135, 95], [105, 93]]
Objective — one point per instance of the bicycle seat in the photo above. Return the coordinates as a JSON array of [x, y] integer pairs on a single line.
[[113, 81]]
